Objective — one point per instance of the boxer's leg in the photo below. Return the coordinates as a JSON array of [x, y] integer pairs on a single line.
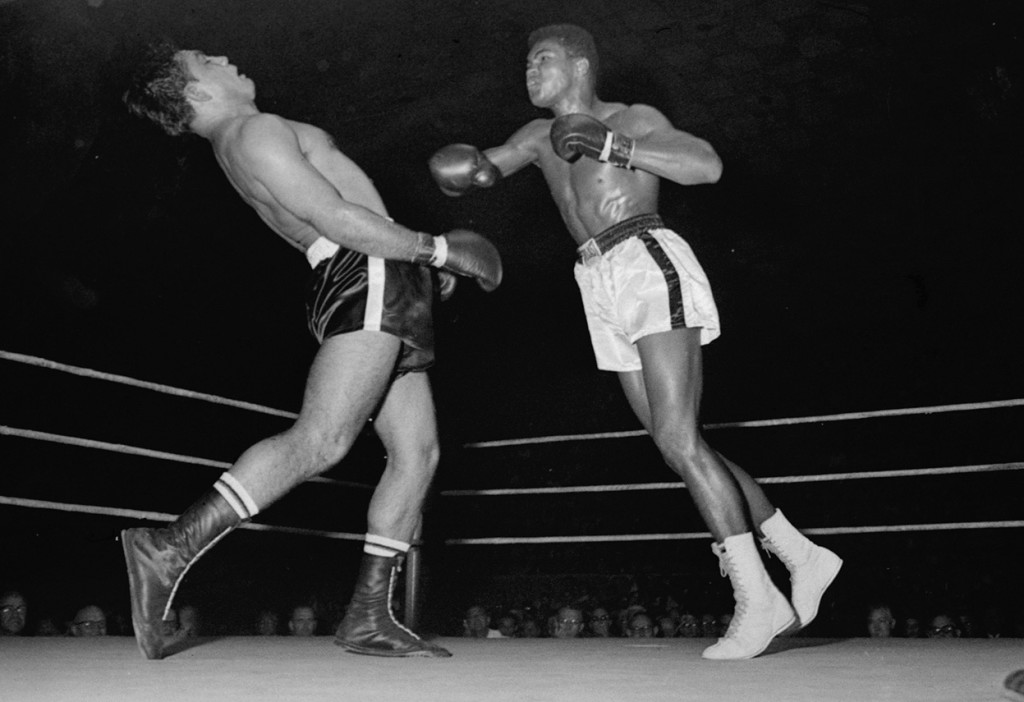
[[406, 425], [346, 382], [811, 568], [671, 380]]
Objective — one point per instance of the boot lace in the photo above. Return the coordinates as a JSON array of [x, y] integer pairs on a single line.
[[739, 588]]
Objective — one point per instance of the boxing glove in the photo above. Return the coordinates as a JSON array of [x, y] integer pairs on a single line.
[[461, 252], [576, 135], [458, 168]]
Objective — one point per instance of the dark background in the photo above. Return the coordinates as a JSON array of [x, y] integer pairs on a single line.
[[864, 245]]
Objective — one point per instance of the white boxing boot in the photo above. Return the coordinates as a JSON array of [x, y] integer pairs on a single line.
[[762, 612], [811, 568]]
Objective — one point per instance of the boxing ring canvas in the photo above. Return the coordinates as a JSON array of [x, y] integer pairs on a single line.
[[521, 670]]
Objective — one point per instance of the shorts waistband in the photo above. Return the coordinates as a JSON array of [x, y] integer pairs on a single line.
[[606, 240], [320, 250]]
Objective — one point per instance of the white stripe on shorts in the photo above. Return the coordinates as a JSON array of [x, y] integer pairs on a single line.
[[374, 293]]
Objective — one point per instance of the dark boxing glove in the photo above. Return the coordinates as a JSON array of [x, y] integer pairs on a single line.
[[576, 135], [458, 168], [461, 252]]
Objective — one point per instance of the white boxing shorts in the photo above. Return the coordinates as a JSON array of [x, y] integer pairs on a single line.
[[638, 278]]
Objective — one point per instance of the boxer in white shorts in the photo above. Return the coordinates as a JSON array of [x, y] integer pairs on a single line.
[[639, 278], [649, 307]]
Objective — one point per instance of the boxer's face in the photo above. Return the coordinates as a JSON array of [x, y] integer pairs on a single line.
[[548, 72], [216, 76]]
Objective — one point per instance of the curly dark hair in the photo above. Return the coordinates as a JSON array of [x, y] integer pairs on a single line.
[[157, 90], [577, 42]]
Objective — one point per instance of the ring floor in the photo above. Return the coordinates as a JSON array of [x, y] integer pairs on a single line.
[[525, 670]]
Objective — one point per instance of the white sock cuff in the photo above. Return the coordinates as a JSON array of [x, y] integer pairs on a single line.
[[237, 496], [393, 544]]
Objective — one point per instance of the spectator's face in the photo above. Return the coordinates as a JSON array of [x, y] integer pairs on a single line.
[[689, 627], [641, 627], [600, 622], [708, 625], [967, 626], [667, 627], [13, 613], [90, 621], [568, 623], [880, 623], [529, 630], [943, 627], [911, 628], [267, 624], [303, 622], [508, 626], [477, 622]]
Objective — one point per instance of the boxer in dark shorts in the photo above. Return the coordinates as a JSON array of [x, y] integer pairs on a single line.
[[370, 309], [351, 291]]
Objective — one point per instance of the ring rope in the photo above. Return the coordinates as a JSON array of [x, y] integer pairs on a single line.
[[936, 409], [125, 380], [679, 485], [148, 453], [783, 421], [93, 509], [164, 517], [821, 531]]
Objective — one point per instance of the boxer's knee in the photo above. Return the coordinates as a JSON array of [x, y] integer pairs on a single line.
[[321, 449]]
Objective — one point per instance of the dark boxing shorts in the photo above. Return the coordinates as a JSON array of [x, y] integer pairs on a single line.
[[351, 291]]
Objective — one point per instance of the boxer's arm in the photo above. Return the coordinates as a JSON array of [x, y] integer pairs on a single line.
[[461, 168], [521, 149], [670, 153]]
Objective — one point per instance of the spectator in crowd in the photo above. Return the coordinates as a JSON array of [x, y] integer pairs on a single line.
[[709, 625], [880, 621], [943, 626], [911, 628], [689, 627], [13, 613], [476, 624], [508, 626], [667, 626], [625, 614], [303, 621], [600, 624], [529, 629], [89, 621], [968, 625], [47, 627], [568, 623], [640, 626], [267, 623]]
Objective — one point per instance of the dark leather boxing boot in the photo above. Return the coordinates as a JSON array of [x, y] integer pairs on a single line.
[[158, 559], [369, 626]]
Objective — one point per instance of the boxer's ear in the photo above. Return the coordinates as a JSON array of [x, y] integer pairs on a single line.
[[194, 92]]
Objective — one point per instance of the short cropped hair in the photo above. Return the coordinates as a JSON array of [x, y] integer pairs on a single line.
[[577, 42], [157, 90]]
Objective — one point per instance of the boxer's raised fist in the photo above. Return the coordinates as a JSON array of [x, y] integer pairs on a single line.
[[458, 168], [576, 135]]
